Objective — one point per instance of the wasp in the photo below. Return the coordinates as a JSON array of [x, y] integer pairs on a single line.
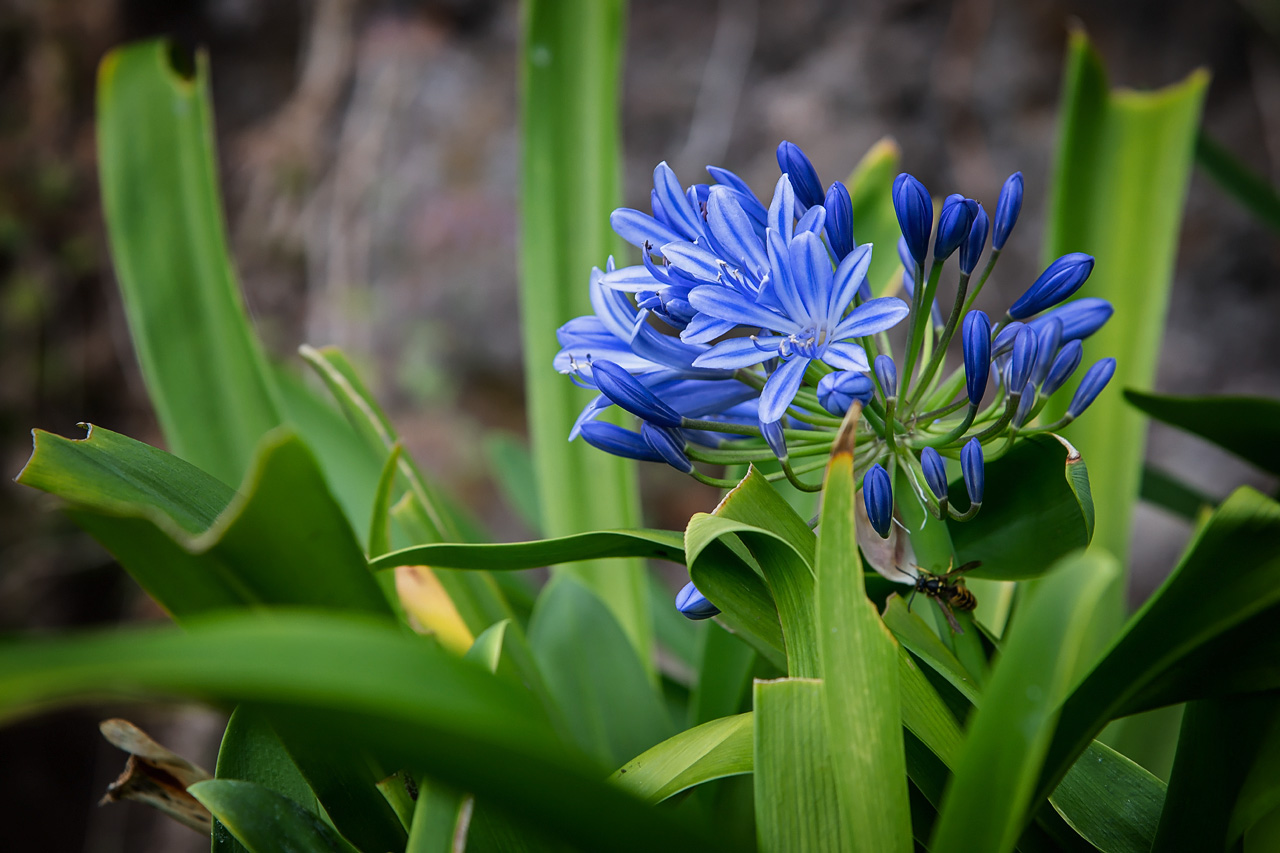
[[947, 590]]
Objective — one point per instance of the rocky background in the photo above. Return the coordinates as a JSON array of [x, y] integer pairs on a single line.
[[369, 165]]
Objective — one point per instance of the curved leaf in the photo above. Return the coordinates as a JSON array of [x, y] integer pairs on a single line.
[[251, 751], [1036, 511], [207, 375], [1112, 803], [859, 674], [710, 751], [261, 819], [1249, 427], [1173, 649], [512, 556], [991, 797], [282, 540], [405, 701]]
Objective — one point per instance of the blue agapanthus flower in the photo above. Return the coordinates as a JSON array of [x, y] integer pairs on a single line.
[[747, 331]]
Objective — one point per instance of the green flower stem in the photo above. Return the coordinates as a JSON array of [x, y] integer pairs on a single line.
[[949, 437], [747, 377], [712, 481], [740, 429], [986, 273], [940, 353], [763, 454], [1010, 407], [943, 412], [967, 514], [796, 481], [890, 423]]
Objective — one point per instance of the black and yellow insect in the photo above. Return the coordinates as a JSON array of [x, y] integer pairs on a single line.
[[947, 590]]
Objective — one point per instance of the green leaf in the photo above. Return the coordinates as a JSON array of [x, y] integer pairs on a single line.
[[797, 808], [262, 819], [724, 668], [989, 800], [1205, 632], [251, 751], [1120, 179], [282, 540], [725, 572], [1252, 191], [511, 466], [859, 674], [1169, 493], [1035, 512], [442, 815], [509, 556], [710, 751], [1260, 792], [593, 672], [874, 220], [396, 695], [570, 59], [1113, 803], [1207, 778], [204, 368], [1249, 427]]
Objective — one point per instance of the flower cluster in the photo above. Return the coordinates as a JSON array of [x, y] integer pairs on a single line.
[[747, 332]]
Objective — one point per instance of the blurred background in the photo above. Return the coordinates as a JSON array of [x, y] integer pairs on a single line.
[[369, 167]]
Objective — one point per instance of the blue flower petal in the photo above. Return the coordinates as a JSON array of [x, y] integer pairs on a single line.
[[849, 277], [781, 389], [846, 355], [876, 315], [811, 266], [733, 230], [782, 209], [732, 354], [684, 218], [640, 229], [631, 279], [692, 260], [703, 329], [730, 305]]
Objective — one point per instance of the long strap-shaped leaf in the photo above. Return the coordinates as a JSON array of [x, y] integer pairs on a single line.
[[204, 368], [1120, 178], [512, 556], [987, 803], [859, 673], [571, 52], [368, 683]]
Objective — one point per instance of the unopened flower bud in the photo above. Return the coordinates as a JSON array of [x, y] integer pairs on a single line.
[[693, 604], [935, 472], [877, 494], [914, 207]]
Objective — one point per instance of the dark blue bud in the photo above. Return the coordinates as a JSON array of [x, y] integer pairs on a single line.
[[877, 494], [1095, 379], [1048, 340], [1007, 210], [693, 604], [839, 222], [774, 438], [1063, 366], [624, 391], [1060, 279], [620, 442], [975, 339], [914, 207], [1004, 339], [971, 248], [1080, 318], [972, 469], [887, 374], [935, 472], [804, 178], [667, 443], [954, 224], [1025, 405], [837, 391], [1024, 358]]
